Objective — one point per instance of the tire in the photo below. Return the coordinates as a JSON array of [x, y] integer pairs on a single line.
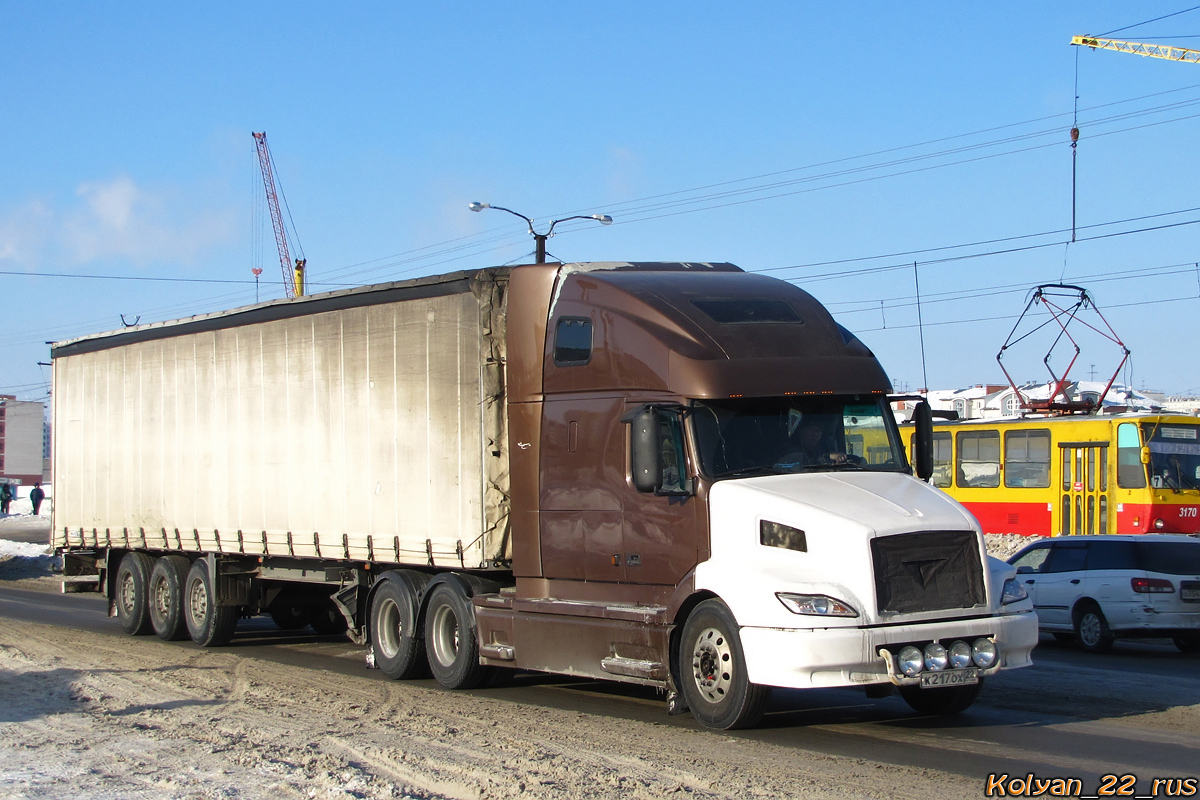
[[289, 618], [451, 639], [166, 597], [208, 624], [941, 702], [712, 669], [396, 636], [133, 594], [1189, 643], [327, 620], [1092, 631]]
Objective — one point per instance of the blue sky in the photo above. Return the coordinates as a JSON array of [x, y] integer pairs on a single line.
[[839, 143]]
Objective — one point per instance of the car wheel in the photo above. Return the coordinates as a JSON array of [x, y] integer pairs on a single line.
[[1188, 644], [166, 597], [943, 701], [1092, 631], [133, 593], [712, 669]]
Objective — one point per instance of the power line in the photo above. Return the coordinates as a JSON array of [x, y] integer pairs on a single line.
[[1147, 22]]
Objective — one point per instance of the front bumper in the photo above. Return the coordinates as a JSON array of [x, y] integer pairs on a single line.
[[803, 659]]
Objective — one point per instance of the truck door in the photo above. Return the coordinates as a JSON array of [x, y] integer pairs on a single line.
[[662, 530]]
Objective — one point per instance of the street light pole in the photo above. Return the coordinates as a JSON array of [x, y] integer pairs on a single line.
[[539, 239]]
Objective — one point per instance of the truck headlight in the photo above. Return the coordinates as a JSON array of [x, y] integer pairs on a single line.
[[983, 653], [960, 655], [815, 605], [910, 661], [935, 657], [1013, 592]]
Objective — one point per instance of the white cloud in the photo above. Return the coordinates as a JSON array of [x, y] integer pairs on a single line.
[[115, 219]]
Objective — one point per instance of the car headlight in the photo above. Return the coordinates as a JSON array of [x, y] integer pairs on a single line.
[[935, 657], [983, 653], [1013, 592], [815, 605], [960, 655], [910, 661]]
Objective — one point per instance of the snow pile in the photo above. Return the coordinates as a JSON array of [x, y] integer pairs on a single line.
[[1004, 545], [27, 560]]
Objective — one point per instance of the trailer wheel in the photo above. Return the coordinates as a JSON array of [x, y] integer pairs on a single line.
[[941, 702], [208, 624], [397, 641], [327, 620], [133, 593], [289, 618], [712, 666], [166, 597], [451, 639]]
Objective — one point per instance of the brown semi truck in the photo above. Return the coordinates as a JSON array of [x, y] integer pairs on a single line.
[[680, 475]]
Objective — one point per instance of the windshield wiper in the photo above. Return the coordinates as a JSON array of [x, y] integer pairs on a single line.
[[745, 472]]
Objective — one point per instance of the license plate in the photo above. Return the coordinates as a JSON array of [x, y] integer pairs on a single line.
[[1189, 594], [949, 677]]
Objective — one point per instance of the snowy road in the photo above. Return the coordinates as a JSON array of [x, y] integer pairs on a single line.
[[88, 712]]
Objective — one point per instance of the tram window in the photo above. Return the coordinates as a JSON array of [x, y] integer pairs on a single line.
[[1104, 469], [1027, 459], [943, 462], [979, 459], [1066, 469], [1131, 473]]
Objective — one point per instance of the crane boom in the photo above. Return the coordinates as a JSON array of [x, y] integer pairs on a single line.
[[293, 274], [1165, 51]]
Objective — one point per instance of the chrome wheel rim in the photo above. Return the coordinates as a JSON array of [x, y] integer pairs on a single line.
[[198, 602], [445, 635], [161, 599], [712, 665], [1089, 629], [128, 594], [391, 628]]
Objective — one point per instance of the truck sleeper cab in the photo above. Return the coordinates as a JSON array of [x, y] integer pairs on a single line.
[[673, 474]]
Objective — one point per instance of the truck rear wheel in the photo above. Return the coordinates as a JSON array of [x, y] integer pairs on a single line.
[[395, 636], [166, 597], [943, 701], [208, 624], [712, 669], [133, 593], [451, 639], [289, 618]]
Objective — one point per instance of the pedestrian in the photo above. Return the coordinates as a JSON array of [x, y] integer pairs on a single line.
[[36, 496], [6, 497]]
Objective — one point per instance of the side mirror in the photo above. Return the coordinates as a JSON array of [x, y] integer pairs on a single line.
[[1025, 570], [645, 454], [923, 452], [1145, 454]]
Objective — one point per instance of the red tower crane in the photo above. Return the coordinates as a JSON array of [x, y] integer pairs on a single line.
[[293, 272]]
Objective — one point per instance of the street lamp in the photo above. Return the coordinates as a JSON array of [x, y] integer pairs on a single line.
[[540, 238]]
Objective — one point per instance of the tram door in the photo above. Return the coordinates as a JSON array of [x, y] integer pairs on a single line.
[[1083, 503]]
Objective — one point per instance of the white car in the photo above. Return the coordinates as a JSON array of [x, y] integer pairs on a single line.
[[1099, 588]]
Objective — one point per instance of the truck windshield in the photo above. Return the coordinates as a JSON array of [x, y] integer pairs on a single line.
[[1174, 455], [779, 435]]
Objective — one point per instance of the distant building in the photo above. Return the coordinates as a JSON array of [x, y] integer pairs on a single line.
[[21, 440], [993, 401]]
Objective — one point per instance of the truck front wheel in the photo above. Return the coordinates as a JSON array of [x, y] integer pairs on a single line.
[[133, 593], [712, 669], [942, 701], [166, 597], [209, 624], [395, 638], [451, 639]]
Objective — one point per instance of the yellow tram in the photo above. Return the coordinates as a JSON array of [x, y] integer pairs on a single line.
[[1072, 474]]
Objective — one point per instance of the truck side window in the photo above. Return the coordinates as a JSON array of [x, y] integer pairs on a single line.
[[572, 342], [674, 468]]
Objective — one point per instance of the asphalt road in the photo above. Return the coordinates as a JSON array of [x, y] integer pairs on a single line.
[[1008, 731]]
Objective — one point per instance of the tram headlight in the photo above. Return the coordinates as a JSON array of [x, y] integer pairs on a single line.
[[935, 657], [983, 653], [910, 661], [960, 655], [1159, 524]]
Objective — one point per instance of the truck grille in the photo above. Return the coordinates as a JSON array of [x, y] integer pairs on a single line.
[[930, 571]]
